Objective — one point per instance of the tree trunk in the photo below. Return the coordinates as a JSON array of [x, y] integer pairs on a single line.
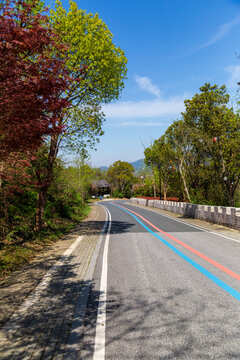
[[154, 190], [183, 180], [3, 196], [165, 191], [42, 196], [232, 201], [1, 170], [160, 183], [231, 193]]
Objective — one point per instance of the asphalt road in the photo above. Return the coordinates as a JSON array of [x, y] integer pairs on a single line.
[[172, 291]]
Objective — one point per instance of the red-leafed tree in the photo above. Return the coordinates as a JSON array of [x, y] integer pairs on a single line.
[[31, 77]]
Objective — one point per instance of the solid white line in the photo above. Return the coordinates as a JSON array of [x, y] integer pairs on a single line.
[[99, 347], [194, 226]]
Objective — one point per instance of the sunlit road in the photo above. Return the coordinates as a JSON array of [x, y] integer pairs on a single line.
[[170, 290]]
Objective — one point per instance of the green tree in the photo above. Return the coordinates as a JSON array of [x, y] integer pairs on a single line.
[[85, 176], [217, 126], [159, 156], [179, 138], [99, 174], [91, 55], [120, 175], [98, 69]]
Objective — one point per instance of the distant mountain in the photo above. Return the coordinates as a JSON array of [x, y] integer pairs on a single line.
[[138, 165], [103, 168]]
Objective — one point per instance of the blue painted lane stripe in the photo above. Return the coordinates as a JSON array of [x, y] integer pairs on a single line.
[[205, 272]]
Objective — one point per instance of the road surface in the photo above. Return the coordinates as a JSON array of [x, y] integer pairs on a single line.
[[148, 287], [162, 290]]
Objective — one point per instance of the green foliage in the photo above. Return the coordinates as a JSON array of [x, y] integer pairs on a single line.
[[208, 110], [204, 148], [21, 210], [22, 205], [68, 191], [98, 69], [139, 191], [145, 190], [83, 127], [15, 252], [101, 66], [217, 127], [118, 194], [90, 48], [160, 156], [127, 191], [120, 175], [64, 200]]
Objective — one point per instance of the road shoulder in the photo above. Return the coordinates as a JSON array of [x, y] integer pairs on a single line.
[[16, 288]]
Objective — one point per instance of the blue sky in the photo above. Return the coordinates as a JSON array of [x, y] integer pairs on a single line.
[[173, 47]]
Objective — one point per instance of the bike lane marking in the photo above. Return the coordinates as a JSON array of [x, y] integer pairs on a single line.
[[206, 258], [197, 266], [191, 225]]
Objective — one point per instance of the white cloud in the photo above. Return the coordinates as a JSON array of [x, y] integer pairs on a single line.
[[145, 109], [234, 77], [222, 31], [137, 124], [146, 84], [132, 113]]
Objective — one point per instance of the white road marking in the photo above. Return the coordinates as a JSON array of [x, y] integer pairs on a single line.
[[99, 347], [194, 226]]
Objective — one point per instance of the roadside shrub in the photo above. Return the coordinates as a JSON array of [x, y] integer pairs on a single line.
[[115, 193], [143, 190], [127, 192]]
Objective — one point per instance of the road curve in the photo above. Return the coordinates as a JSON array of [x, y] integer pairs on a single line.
[[172, 291]]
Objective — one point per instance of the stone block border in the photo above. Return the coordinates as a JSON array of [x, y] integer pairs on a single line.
[[223, 215]]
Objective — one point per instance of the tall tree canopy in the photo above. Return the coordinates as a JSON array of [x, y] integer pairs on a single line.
[[160, 157], [217, 127], [90, 46], [98, 69], [120, 175], [101, 66], [179, 137], [205, 146], [31, 80]]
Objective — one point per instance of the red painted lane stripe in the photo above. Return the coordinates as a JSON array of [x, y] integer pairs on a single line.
[[211, 261]]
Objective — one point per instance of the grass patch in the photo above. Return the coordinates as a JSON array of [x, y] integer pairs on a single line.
[[86, 211], [17, 251], [92, 201]]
